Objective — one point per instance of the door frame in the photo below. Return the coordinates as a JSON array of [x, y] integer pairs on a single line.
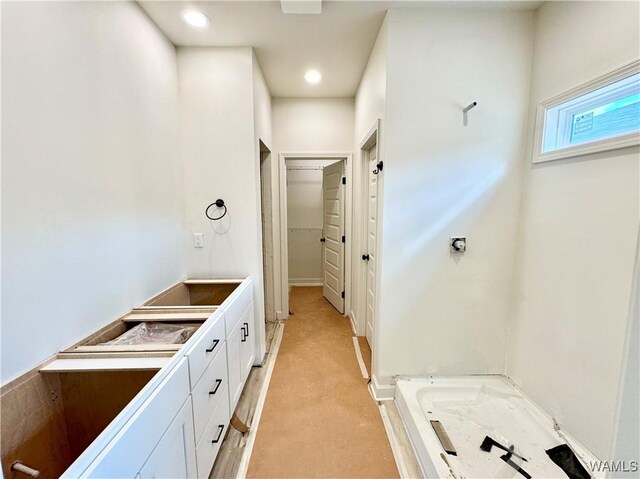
[[282, 273], [371, 138], [268, 285]]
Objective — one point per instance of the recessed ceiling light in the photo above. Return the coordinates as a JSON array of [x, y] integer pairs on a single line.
[[313, 76], [195, 18]]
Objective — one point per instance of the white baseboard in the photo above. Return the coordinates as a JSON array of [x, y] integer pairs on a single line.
[[363, 367], [282, 315], [352, 318], [305, 282], [381, 391]]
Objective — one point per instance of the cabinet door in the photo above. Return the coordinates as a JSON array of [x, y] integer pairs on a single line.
[[175, 455], [209, 445], [234, 362], [127, 452], [247, 341]]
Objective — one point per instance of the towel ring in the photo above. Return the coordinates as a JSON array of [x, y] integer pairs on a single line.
[[220, 204]]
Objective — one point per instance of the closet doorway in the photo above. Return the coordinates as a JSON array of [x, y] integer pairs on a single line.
[[314, 226]]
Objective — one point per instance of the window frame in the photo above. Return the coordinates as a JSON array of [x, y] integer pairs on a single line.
[[605, 144]]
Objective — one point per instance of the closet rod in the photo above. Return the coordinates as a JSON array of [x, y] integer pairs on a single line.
[[305, 168]]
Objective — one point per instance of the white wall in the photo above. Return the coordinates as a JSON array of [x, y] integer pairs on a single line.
[[370, 101], [224, 109], [579, 226], [218, 153], [91, 187], [440, 313], [313, 125], [262, 109]]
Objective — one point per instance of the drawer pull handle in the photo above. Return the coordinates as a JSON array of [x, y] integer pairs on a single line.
[[245, 332], [215, 390], [213, 345], [217, 439]]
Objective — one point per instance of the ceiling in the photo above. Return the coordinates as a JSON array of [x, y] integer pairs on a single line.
[[336, 42]]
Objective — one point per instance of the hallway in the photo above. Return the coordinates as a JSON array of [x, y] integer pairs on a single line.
[[319, 419]]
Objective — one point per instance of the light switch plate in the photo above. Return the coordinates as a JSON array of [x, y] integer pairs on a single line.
[[198, 240]]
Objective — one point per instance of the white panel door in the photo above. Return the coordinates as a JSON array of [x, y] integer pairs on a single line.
[[372, 225], [333, 231], [175, 455]]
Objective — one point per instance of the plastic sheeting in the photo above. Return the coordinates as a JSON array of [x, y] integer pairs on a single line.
[[145, 333]]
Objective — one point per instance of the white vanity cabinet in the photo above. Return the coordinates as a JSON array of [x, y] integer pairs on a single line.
[[175, 425]]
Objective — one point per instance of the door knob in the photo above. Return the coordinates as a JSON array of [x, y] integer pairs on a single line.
[[322, 240], [365, 257]]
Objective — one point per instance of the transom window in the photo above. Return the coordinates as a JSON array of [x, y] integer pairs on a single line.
[[601, 115]]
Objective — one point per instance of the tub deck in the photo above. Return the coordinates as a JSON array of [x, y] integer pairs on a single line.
[[471, 408]]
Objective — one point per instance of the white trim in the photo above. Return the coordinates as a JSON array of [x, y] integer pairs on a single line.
[[253, 430], [395, 446], [352, 320], [381, 392], [607, 144], [363, 368], [282, 282], [627, 361], [210, 281], [305, 282], [368, 140], [281, 315], [372, 137]]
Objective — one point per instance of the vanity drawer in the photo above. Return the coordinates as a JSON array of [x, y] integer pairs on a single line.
[[207, 393], [206, 348], [210, 442]]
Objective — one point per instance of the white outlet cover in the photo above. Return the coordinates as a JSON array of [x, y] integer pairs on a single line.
[[198, 240]]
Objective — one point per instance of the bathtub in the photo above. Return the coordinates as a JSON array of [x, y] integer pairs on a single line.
[[471, 408]]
